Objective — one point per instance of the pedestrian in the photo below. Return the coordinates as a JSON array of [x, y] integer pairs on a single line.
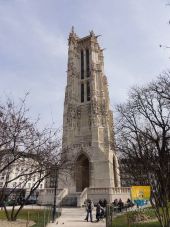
[[104, 203], [99, 212], [115, 202], [100, 202], [120, 205], [129, 203], [90, 207], [86, 206]]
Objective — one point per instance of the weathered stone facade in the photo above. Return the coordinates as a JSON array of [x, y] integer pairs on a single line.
[[88, 131]]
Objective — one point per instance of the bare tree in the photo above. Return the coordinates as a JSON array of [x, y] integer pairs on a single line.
[[31, 152], [143, 139]]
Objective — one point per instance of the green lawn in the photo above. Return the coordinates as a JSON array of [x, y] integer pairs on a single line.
[[40, 216], [122, 221]]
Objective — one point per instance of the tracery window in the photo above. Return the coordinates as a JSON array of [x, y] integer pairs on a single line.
[[87, 63], [88, 91], [82, 92], [85, 74], [82, 65]]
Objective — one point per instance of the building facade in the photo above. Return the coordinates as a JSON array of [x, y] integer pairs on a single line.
[[88, 132], [19, 176]]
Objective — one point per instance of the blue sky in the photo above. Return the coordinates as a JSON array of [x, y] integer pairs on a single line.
[[33, 47]]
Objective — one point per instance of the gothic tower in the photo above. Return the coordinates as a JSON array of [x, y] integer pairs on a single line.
[[88, 122]]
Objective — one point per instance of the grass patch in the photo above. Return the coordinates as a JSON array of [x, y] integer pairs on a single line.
[[40, 216], [122, 220]]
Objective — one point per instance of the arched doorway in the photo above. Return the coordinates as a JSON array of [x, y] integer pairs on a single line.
[[82, 173]]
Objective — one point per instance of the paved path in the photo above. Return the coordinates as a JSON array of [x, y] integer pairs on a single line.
[[18, 223], [74, 217]]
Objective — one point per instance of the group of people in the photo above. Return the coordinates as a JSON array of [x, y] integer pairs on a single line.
[[119, 204], [100, 209]]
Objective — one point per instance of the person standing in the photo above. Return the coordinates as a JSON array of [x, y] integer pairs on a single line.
[[90, 207], [104, 203], [86, 206], [98, 211], [120, 205]]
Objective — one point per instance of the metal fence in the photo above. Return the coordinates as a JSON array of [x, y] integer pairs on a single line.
[[109, 215], [38, 216], [114, 211]]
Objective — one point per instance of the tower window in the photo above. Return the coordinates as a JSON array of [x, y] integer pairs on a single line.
[[82, 65], [87, 63], [88, 91], [82, 92]]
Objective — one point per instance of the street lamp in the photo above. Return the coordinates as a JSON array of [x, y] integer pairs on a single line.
[[55, 193]]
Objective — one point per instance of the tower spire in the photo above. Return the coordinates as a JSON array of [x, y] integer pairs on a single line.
[[92, 33], [72, 29], [72, 36]]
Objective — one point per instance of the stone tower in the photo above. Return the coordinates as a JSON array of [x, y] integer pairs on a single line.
[[88, 122]]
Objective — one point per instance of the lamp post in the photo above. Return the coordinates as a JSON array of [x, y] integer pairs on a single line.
[[55, 193]]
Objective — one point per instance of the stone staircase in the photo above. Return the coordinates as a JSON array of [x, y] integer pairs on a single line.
[[70, 200]]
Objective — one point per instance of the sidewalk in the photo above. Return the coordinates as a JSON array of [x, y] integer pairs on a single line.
[[74, 217]]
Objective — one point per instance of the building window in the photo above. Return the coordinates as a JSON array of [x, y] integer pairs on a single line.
[[82, 92], [82, 65], [88, 91], [87, 63]]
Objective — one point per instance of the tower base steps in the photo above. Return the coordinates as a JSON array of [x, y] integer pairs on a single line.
[[77, 199], [70, 200]]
